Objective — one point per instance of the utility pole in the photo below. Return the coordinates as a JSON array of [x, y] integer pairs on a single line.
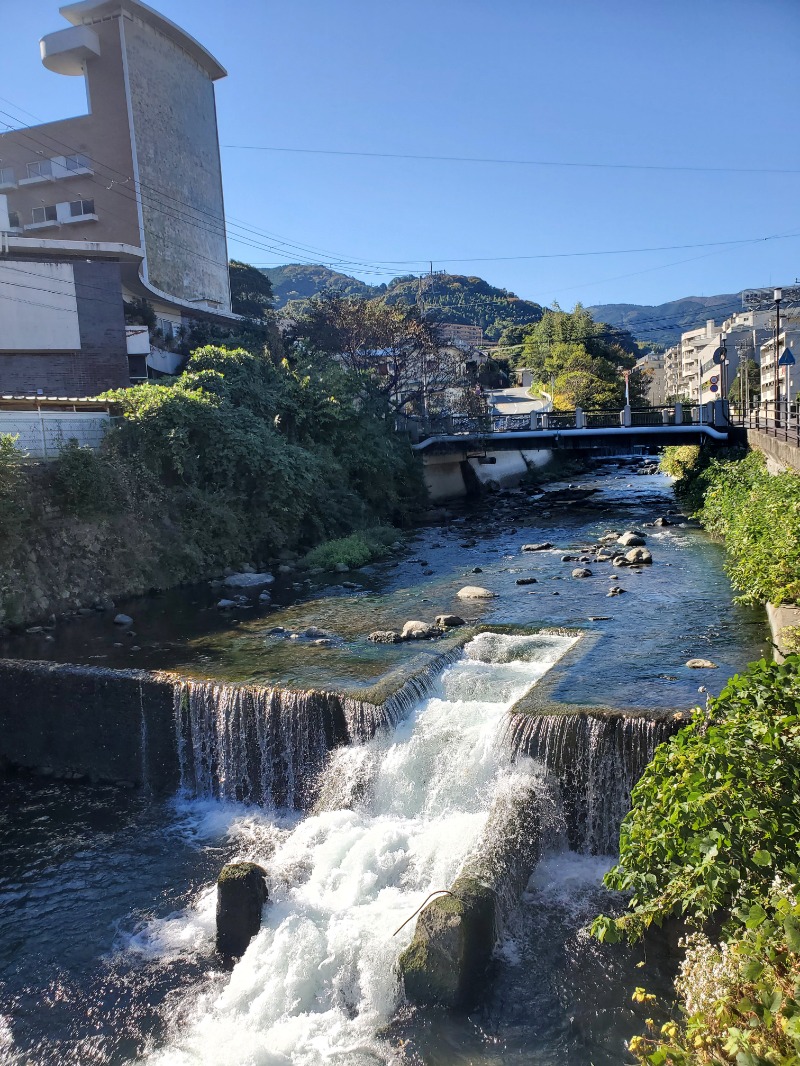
[[778, 296]]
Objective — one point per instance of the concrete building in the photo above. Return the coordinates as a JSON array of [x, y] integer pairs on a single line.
[[123, 202], [691, 370], [652, 365], [788, 339]]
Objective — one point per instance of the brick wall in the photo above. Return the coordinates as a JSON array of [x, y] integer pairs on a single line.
[[102, 362]]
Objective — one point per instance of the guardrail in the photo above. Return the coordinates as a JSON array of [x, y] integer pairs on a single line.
[[714, 413], [777, 418]]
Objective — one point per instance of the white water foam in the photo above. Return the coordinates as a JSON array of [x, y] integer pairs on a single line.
[[404, 811]]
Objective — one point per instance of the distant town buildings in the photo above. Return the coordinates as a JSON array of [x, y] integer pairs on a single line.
[[121, 205], [456, 331], [691, 372]]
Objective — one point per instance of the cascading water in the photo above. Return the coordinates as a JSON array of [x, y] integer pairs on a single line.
[[597, 759], [401, 815]]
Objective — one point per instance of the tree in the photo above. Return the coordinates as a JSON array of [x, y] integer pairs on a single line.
[[584, 359], [251, 291], [393, 348], [750, 372]]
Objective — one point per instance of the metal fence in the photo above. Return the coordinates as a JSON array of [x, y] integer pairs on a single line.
[[42, 434], [775, 417]]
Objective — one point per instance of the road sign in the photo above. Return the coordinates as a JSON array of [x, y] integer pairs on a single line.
[[787, 359], [719, 355], [714, 379], [714, 388]]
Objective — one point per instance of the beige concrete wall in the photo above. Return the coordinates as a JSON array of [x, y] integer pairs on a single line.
[[177, 152], [780, 455], [443, 477], [38, 308]]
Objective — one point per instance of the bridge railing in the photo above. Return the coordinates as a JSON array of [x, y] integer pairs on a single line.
[[777, 418], [483, 425]]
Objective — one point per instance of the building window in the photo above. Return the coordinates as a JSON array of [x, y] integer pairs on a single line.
[[81, 207], [77, 162], [13, 220], [45, 214], [6, 175], [42, 169]]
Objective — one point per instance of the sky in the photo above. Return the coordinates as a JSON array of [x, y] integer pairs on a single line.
[[622, 88]]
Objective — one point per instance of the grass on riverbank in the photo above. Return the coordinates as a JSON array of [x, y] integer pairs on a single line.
[[356, 550], [713, 837], [757, 515]]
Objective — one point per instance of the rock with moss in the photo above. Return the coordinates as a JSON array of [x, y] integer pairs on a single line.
[[241, 895], [445, 963]]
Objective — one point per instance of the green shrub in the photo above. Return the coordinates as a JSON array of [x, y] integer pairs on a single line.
[[714, 815], [356, 550], [12, 504], [84, 483], [714, 834], [757, 514]]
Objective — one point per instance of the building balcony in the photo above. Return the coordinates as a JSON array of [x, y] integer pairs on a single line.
[[78, 218], [47, 224]]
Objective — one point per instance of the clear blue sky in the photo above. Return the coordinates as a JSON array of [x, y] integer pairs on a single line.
[[701, 83]]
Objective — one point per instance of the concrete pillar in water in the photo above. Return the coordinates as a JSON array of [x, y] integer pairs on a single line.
[[241, 895]]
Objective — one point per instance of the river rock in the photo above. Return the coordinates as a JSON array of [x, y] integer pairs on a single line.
[[616, 591], [581, 571], [245, 581], [341, 568], [662, 522], [385, 636], [701, 664], [619, 560], [639, 556], [265, 598], [314, 632], [546, 546], [449, 621], [526, 581], [475, 592], [225, 605], [123, 620], [241, 895], [632, 539], [416, 630]]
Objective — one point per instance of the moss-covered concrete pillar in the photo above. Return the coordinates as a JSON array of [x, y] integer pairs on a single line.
[[241, 895]]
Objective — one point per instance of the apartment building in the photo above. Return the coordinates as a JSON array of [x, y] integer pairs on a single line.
[[122, 203], [788, 340]]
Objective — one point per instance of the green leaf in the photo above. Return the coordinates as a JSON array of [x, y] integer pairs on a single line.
[[791, 926], [762, 858]]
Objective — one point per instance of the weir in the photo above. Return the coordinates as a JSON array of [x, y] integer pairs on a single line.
[[596, 759]]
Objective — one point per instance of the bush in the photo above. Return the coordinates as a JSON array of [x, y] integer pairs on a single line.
[[12, 505], [714, 833], [756, 514], [356, 550], [84, 483]]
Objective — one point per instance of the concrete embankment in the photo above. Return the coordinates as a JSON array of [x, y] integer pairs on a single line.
[[782, 619]]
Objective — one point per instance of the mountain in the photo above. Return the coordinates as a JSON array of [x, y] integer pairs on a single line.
[[664, 323], [296, 281], [467, 300], [453, 298]]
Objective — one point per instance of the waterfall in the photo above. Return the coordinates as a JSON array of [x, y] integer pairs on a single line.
[[398, 817], [254, 745], [268, 746], [597, 759]]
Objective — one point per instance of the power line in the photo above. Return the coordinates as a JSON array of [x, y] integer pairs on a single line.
[[511, 162]]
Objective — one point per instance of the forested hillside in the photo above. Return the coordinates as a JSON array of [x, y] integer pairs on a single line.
[[442, 297], [664, 323]]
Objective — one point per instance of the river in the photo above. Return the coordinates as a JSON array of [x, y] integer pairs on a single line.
[[107, 895]]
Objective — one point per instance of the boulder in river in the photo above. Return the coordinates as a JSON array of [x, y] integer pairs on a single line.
[[637, 556], [526, 581], [123, 620], [701, 664], [475, 592], [581, 571], [449, 621], [244, 581], [632, 539], [619, 560], [546, 546], [241, 895], [416, 630], [662, 522], [225, 605], [385, 636]]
